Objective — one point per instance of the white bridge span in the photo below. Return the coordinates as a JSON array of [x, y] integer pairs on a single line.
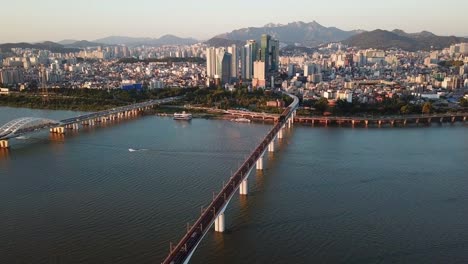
[[23, 125]]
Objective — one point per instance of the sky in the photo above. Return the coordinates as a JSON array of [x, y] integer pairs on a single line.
[[55, 20]]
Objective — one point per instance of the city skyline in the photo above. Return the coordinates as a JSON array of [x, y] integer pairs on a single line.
[[142, 18]]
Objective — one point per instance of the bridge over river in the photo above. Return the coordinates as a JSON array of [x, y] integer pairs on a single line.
[[214, 213], [25, 125]]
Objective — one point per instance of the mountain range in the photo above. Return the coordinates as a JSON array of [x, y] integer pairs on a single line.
[[383, 39], [295, 34], [131, 41], [46, 45], [307, 34]]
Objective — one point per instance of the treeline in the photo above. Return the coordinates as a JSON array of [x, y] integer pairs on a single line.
[[241, 98], [452, 63], [389, 106], [167, 60], [86, 99]]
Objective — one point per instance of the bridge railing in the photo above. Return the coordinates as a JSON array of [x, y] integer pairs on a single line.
[[193, 236], [118, 110]]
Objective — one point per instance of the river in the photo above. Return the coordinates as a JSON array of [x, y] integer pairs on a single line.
[[328, 195]]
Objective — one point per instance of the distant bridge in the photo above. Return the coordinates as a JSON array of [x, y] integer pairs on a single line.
[[25, 125], [214, 213], [386, 120]]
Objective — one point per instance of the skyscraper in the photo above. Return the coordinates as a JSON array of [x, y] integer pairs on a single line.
[[211, 62], [234, 60], [248, 57], [269, 53], [264, 53], [223, 65]]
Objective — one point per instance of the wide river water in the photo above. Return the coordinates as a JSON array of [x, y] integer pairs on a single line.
[[328, 195]]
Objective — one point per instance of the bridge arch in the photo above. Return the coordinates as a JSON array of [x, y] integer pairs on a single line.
[[25, 123]]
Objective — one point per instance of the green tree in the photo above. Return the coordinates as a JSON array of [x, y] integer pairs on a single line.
[[321, 104], [427, 108], [404, 110], [463, 102]]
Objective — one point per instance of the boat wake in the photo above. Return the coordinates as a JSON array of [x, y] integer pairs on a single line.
[[22, 138], [136, 150]]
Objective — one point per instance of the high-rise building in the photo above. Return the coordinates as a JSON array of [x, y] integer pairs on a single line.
[[264, 52], [310, 69], [234, 60], [211, 62], [248, 57], [259, 79], [223, 65], [269, 53]]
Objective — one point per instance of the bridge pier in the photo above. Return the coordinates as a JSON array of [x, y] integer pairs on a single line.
[[271, 146], [260, 163], [404, 122], [72, 126], [429, 120], [464, 119], [280, 134], [441, 120], [392, 123], [57, 130], [367, 122], [453, 119], [244, 187], [220, 223], [4, 144]]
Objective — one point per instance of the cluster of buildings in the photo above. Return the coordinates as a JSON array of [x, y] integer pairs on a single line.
[[335, 71], [253, 62], [101, 68]]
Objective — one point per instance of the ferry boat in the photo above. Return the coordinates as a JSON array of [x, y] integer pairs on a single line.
[[241, 120], [182, 116]]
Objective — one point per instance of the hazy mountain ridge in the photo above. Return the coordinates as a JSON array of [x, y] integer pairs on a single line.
[[311, 34], [222, 42], [383, 39], [46, 45], [133, 41]]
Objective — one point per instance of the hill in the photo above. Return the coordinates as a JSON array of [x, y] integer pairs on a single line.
[[131, 41], [222, 42], [306, 34], [383, 39], [83, 44], [47, 45]]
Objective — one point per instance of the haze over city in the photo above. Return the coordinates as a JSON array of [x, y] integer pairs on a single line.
[[56, 20], [248, 131]]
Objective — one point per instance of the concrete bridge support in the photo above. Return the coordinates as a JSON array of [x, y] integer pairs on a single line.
[[220, 223], [280, 134], [4, 144], [244, 187], [58, 130], [464, 119], [366, 122], [260, 163], [271, 146], [453, 119]]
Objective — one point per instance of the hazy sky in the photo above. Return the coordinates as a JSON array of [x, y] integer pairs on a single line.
[[33, 20]]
